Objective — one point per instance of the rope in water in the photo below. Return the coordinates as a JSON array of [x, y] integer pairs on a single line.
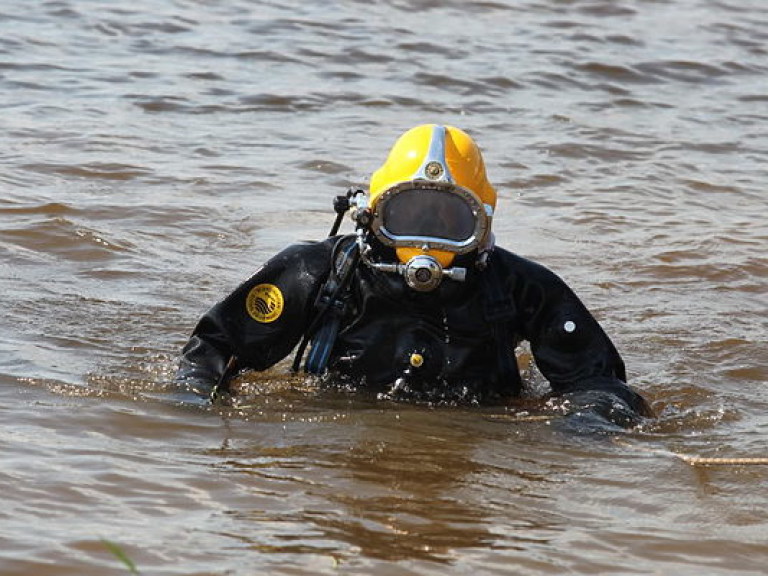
[[521, 417], [701, 461], [692, 460]]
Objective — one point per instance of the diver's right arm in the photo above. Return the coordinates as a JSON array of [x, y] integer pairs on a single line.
[[259, 323]]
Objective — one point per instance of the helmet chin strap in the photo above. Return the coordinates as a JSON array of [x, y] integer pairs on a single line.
[[422, 273]]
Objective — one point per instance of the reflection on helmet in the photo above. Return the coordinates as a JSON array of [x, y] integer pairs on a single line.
[[432, 196]]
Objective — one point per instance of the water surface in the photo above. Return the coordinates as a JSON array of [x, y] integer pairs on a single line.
[[155, 154]]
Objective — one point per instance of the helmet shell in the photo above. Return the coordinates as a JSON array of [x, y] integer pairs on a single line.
[[433, 152], [464, 163]]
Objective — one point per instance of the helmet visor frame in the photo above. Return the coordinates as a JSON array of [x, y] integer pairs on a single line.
[[431, 215]]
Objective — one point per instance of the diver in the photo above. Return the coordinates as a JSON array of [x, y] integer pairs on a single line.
[[418, 301]]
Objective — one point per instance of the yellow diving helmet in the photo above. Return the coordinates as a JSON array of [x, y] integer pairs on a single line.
[[431, 201]]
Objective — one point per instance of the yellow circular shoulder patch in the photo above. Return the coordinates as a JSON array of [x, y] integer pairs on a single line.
[[264, 303]]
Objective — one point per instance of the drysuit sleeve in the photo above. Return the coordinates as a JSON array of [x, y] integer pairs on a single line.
[[259, 323], [573, 352]]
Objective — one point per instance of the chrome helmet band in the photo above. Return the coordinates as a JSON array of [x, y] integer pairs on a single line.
[[435, 168]]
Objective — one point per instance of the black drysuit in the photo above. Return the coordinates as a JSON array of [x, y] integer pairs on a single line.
[[454, 330]]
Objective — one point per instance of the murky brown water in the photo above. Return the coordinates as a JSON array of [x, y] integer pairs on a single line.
[[155, 153]]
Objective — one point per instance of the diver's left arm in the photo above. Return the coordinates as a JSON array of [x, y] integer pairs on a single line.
[[573, 351]]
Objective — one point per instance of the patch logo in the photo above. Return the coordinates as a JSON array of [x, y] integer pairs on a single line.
[[264, 303]]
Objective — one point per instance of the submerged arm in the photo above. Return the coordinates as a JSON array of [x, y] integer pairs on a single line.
[[259, 323], [574, 353]]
